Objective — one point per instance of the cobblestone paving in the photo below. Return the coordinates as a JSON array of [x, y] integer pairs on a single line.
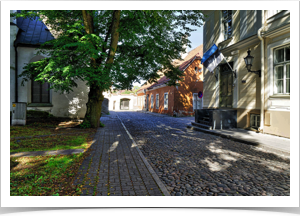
[[114, 167], [193, 163]]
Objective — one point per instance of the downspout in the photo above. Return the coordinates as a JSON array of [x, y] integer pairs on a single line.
[[262, 79], [16, 72]]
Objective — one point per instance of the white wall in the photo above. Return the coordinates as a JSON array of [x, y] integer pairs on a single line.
[[64, 105]]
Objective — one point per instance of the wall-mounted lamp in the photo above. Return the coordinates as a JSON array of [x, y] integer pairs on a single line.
[[248, 60]]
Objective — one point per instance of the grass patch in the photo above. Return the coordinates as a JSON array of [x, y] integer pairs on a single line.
[[36, 128], [78, 141], [45, 175]]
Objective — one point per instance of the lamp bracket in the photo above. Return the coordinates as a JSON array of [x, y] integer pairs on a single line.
[[258, 72]]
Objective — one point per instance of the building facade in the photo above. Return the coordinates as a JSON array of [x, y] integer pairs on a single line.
[[26, 36], [120, 101], [181, 100], [262, 102]]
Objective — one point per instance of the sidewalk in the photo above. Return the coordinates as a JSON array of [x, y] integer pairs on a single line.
[[115, 166], [269, 142]]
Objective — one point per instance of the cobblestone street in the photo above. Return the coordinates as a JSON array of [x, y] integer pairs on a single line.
[[192, 163]]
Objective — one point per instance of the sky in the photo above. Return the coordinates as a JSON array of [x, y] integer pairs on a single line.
[[196, 38]]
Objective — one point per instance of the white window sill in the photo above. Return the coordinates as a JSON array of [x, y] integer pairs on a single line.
[[279, 97]]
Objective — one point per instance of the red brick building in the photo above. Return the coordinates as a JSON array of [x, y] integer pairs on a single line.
[[180, 100]]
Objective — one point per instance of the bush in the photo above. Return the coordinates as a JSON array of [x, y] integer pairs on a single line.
[[85, 124], [38, 114]]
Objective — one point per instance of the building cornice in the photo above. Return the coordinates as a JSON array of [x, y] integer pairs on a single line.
[[246, 42], [277, 31]]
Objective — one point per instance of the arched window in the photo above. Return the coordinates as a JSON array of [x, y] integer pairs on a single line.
[[40, 92]]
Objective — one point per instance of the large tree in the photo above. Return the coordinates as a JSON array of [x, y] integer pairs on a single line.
[[110, 48]]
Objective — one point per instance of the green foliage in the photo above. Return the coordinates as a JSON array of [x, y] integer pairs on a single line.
[[101, 124], [85, 124], [148, 42], [38, 114]]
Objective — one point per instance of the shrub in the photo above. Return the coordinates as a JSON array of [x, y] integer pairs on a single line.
[[38, 114], [85, 124]]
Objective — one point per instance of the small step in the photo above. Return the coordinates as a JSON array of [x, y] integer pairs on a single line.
[[207, 127]]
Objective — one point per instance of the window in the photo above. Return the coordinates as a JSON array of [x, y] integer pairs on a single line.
[[255, 121], [166, 101], [196, 69], [282, 70], [157, 101], [197, 102], [40, 92], [227, 23], [151, 101]]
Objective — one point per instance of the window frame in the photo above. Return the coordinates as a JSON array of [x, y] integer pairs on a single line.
[[256, 121], [283, 64], [166, 105], [40, 93], [151, 98], [157, 101], [226, 21], [198, 100]]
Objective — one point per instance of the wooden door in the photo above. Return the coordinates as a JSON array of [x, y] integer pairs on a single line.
[[226, 86]]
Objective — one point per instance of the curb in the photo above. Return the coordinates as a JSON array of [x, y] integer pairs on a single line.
[[253, 143], [154, 175]]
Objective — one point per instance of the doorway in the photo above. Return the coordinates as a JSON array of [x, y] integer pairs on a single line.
[[124, 104], [226, 85], [114, 105]]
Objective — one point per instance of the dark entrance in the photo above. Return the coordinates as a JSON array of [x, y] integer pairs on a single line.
[[124, 105], [114, 105], [226, 88]]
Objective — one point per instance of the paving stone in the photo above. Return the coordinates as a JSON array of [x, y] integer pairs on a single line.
[[224, 166]]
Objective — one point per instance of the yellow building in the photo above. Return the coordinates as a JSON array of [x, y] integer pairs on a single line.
[[262, 100]]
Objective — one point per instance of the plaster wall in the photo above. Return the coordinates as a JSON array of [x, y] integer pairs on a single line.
[[277, 114], [117, 99], [61, 104]]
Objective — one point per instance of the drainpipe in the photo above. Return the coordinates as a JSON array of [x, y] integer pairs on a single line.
[[16, 73], [262, 79]]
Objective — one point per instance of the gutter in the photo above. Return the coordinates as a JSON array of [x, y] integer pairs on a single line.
[[262, 80]]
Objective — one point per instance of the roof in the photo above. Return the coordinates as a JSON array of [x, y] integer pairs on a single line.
[[161, 81], [196, 53], [32, 32]]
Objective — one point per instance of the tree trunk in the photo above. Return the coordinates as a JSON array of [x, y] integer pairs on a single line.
[[94, 106], [95, 96]]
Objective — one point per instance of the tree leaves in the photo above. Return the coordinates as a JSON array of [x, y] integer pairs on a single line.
[[149, 41]]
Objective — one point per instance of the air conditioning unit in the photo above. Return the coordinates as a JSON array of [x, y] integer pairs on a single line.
[[19, 113]]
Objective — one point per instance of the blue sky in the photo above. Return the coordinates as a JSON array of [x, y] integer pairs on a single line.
[[196, 38]]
